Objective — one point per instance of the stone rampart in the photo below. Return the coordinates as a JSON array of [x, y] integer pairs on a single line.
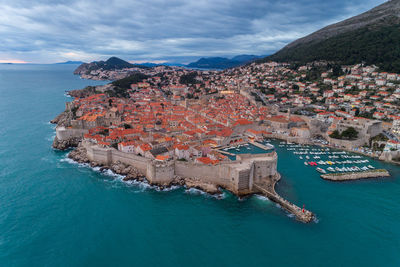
[[347, 144], [107, 156], [63, 133], [237, 176], [160, 173], [221, 174]]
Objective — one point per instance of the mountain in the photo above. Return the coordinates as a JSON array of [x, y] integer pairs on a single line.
[[222, 62], [113, 63], [169, 64], [372, 37], [70, 62], [245, 58]]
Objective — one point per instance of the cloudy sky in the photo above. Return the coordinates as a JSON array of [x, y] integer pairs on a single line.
[[46, 31]]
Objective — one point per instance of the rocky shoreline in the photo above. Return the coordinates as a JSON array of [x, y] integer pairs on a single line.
[[130, 173], [65, 144]]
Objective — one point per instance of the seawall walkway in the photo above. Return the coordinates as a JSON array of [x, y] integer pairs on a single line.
[[300, 214]]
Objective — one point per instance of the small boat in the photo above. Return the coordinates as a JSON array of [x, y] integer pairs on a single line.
[[321, 170], [301, 157], [331, 169], [307, 157], [305, 163], [371, 167]]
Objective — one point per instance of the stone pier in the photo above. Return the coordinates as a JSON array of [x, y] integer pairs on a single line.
[[305, 217], [262, 146]]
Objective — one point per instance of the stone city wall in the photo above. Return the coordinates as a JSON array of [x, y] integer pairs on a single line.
[[107, 156], [237, 176], [345, 143], [221, 175], [63, 133], [290, 139], [160, 173]]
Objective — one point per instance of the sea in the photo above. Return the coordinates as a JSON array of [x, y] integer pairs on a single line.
[[54, 212]]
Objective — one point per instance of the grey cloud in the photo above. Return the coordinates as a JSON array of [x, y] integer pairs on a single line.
[[48, 31]]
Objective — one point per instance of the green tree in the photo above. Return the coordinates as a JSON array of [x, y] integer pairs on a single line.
[[335, 135], [350, 133]]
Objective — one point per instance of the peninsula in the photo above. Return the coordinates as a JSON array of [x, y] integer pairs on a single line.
[[172, 125], [147, 126]]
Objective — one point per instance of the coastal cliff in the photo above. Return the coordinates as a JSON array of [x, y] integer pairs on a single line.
[[64, 120]]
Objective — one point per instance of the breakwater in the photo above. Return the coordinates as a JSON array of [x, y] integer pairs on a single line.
[[302, 215], [356, 175], [262, 146]]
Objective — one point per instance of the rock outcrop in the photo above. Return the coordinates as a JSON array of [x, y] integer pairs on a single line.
[[63, 119], [65, 144], [206, 187]]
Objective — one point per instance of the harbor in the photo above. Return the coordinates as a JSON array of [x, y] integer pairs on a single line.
[[268, 190], [332, 163]]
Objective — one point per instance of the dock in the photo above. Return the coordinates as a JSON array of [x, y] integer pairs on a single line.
[[303, 216], [226, 153], [259, 145]]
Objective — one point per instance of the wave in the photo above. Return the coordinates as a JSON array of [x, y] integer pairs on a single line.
[[264, 198], [71, 161], [195, 191], [51, 138], [51, 125], [142, 185]]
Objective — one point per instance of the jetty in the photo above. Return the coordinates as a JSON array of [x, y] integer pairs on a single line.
[[302, 215], [225, 152], [340, 177], [259, 145]]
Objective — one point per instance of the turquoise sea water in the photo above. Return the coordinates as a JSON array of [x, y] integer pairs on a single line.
[[54, 213]]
